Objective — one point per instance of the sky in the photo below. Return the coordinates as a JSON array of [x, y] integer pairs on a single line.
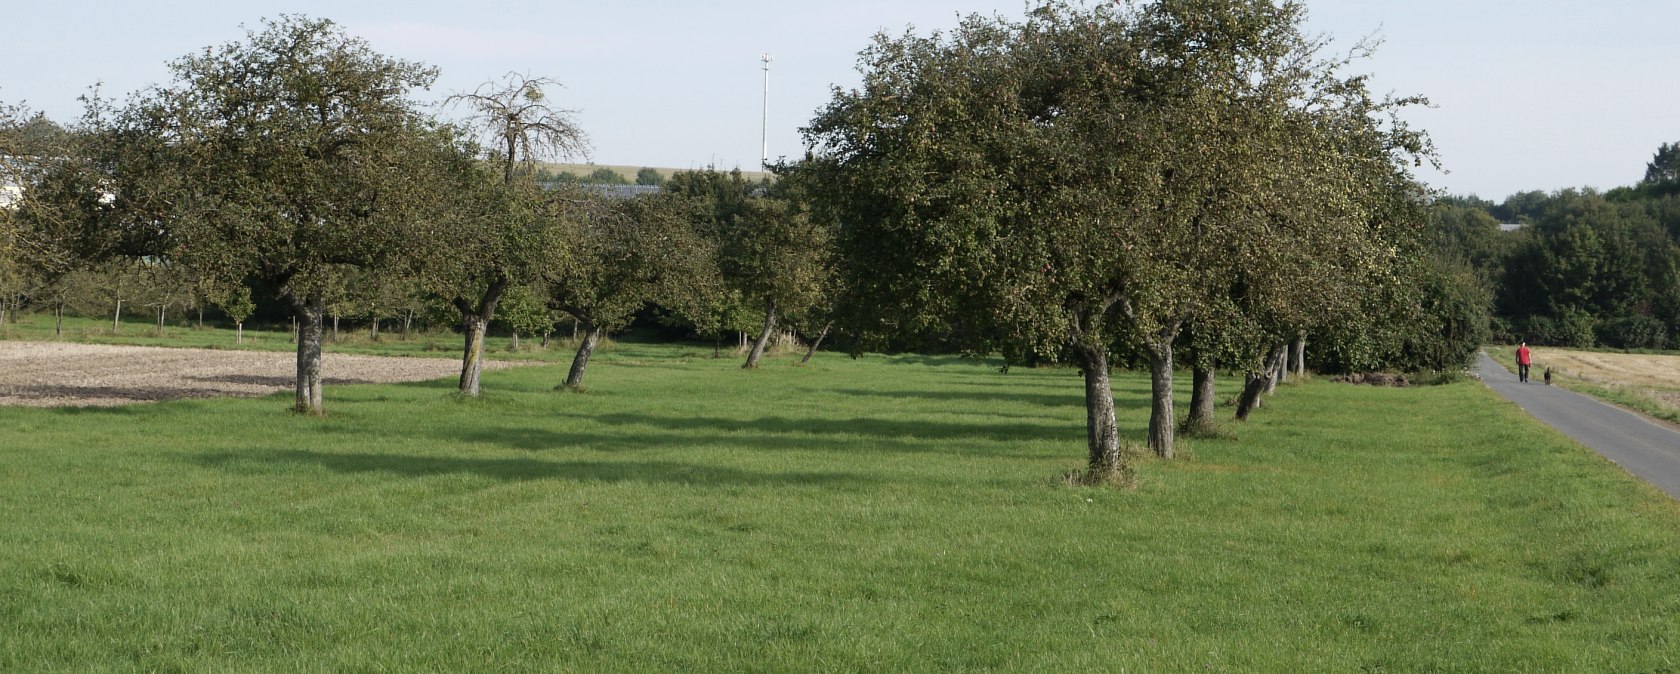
[[1527, 94]]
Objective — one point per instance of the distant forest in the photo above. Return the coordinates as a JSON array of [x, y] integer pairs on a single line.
[[1586, 268]]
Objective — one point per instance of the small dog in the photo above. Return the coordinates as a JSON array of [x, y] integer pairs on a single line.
[[1548, 376]]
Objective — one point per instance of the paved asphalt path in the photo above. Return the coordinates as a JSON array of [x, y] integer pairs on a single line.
[[1645, 448]]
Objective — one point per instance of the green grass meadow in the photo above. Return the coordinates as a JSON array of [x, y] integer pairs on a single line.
[[882, 514]]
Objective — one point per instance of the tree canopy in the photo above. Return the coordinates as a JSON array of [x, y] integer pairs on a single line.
[[289, 156], [1094, 176]]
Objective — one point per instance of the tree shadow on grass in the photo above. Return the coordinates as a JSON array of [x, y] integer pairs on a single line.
[[275, 381], [637, 434], [520, 469], [72, 393], [1075, 399], [907, 432]]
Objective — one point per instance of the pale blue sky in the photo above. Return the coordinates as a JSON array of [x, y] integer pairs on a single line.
[[1530, 94]]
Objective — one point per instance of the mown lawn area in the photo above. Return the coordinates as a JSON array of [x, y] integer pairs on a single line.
[[884, 514]]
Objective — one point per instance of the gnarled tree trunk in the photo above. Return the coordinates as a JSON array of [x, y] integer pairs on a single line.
[[1201, 398], [1161, 423], [1102, 434], [813, 350], [763, 337], [475, 322], [1300, 358], [472, 355], [1258, 383], [586, 348], [1279, 365], [309, 313]]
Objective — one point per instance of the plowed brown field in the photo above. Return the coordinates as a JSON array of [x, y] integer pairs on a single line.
[[52, 374]]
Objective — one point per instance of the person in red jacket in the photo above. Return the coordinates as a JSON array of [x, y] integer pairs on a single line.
[[1522, 362]]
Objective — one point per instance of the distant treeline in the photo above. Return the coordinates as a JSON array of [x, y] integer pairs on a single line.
[[1586, 268]]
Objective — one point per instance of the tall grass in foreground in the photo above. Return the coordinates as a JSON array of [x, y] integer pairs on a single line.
[[881, 514]]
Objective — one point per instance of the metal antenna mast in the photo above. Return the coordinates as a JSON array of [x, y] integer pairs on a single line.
[[764, 158]]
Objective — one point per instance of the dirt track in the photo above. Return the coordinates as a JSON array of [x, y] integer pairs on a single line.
[[54, 374]]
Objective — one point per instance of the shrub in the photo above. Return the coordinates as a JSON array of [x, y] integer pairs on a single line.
[[1540, 330], [1574, 329], [1633, 332], [1503, 330]]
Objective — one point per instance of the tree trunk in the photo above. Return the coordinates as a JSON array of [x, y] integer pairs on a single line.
[[546, 333], [309, 313], [813, 350], [472, 358], [1300, 359], [335, 328], [1283, 368], [239, 332], [1102, 434], [1275, 368], [116, 318], [294, 337], [1201, 398], [160, 318], [1161, 423], [586, 348], [201, 317], [408, 320], [763, 337], [58, 319], [514, 345], [375, 335], [1257, 385], [475, 322]]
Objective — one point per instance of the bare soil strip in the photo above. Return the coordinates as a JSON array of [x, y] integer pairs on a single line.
[[58, 374]]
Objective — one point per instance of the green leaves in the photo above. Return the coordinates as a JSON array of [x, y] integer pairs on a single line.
[[1023, 179]]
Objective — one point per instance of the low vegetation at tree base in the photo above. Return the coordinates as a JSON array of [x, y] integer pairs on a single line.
[[899, 516]]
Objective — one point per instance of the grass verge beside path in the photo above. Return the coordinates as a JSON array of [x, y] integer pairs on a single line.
[[880, 514]]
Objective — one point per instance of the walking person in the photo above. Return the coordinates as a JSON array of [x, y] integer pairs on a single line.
[[1522, 362]]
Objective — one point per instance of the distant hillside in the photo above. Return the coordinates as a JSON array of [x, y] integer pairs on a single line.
[[629, 172]]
